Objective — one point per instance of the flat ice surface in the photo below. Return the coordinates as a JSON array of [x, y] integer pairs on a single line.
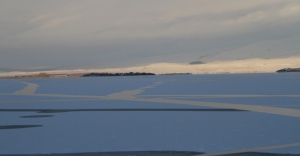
[[91, 85], [78, 115]]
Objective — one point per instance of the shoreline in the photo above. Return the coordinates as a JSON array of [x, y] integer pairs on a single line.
[[70, 75], [246, 66]]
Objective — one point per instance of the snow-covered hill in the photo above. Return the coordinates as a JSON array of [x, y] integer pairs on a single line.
[[236, 66]]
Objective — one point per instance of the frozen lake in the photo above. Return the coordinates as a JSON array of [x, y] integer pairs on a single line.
[[202, 113]]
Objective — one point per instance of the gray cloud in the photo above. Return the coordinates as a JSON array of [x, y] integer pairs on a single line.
[[113, 33]]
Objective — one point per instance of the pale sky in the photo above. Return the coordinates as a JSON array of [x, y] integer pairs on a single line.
[[118, 33]]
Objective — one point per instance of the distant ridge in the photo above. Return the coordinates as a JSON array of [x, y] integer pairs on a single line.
[[116, 74], [196, 62], [215, 67], [288, 70]]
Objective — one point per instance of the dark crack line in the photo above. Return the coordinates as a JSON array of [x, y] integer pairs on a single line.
[[120, 110]]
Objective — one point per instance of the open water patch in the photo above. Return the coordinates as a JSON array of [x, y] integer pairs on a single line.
[[2, 127], [36, 116]]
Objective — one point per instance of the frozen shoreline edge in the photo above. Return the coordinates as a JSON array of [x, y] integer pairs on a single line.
[[217, 67]]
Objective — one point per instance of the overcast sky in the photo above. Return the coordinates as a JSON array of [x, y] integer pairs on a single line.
[[118, 33]]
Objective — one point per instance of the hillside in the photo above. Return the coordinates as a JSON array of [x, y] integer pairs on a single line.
[[216, 67]]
